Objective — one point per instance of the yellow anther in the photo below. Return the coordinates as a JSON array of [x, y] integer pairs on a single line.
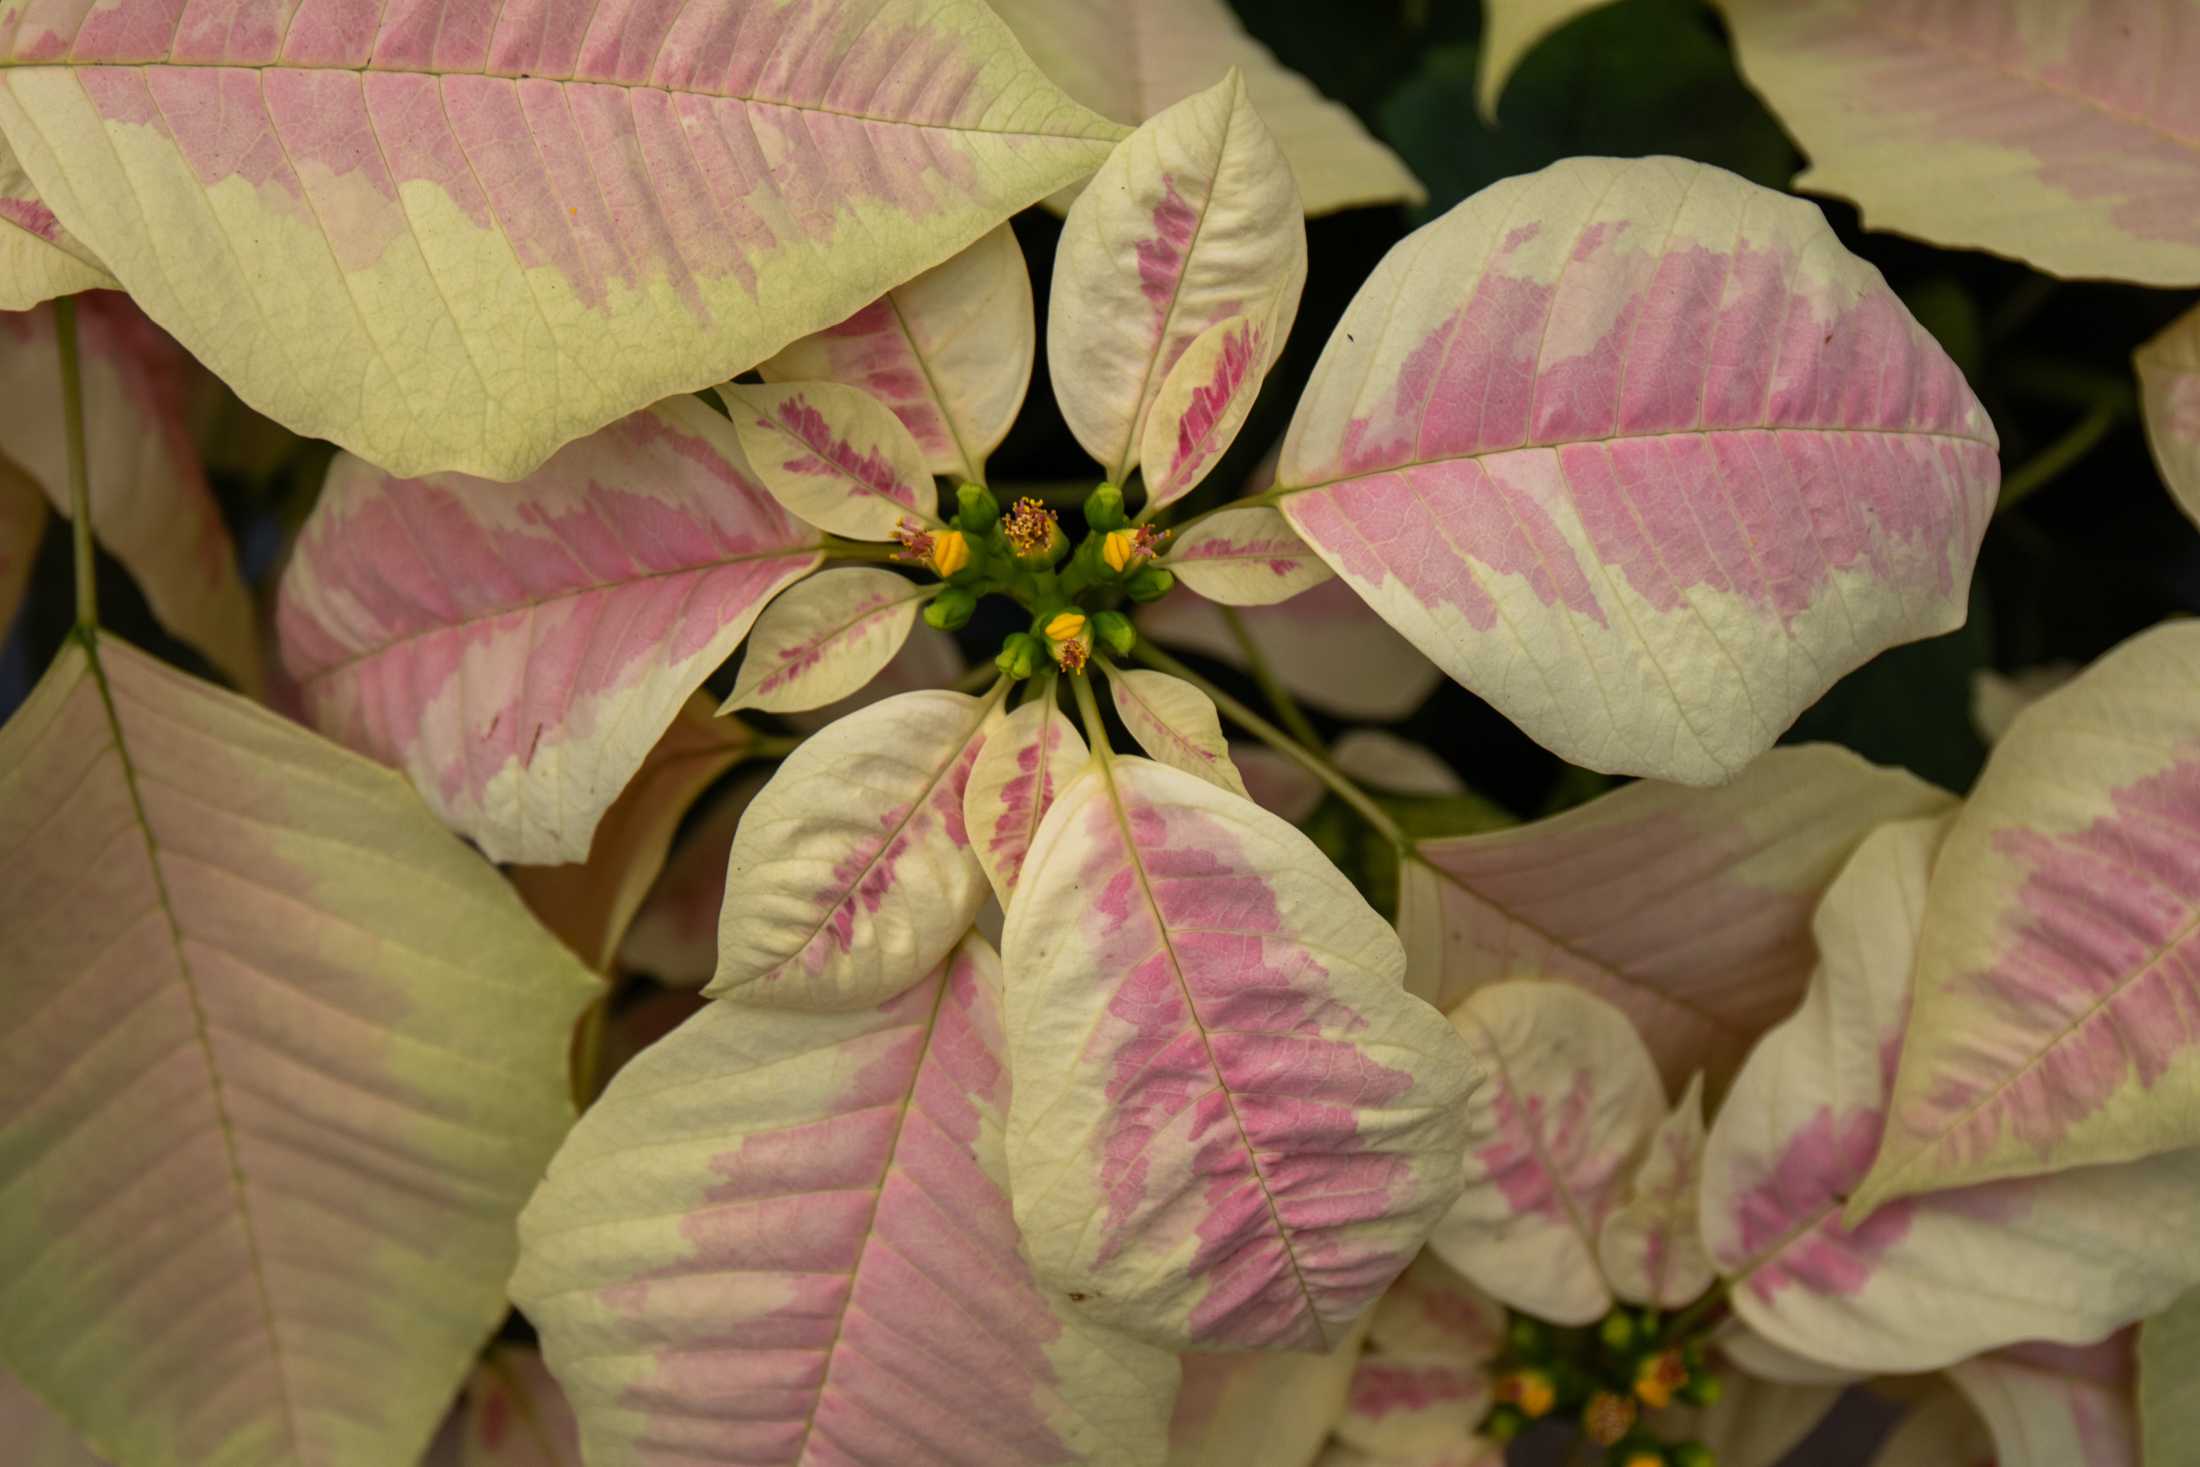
[[1530, 1390], [1119, 550], [1065, 626], [950, 552], [1658, 1377], [1644, 1459]]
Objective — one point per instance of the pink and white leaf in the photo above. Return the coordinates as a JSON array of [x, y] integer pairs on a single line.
[[458, 246], [949, 352], [1570, 1107], [1649, 1246], [852, 868], [1129, 59], [1924, 1281], [278, 1050], [151, 505], [825, 637], [1423, 1383], [834, 455], [1194, 219], [2057, 1015], [1027, 761], [1432, 1310], [2169, 398], [1379, 758], [2037, 129], [1232, 1125], [516, 1414], [1325, 646], [1607, 425], [786, 1238], [2045, 1406], [517, 650], [1266, 1406], [1177, 724], [674, 935], [1202, 404], [1279, 785], [1247, 556], [1754, 1355], [39, 260], [1687, 909], [928, 659]]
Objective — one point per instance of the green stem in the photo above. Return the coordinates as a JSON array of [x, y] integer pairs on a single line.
[[775, 746], [837, 549], [1088, 710], [978, 678], [1271, 687], [1275, 738], [2050, 463], [80, 483]]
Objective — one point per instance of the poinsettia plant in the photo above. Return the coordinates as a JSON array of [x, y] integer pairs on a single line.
[[1032, 1072]]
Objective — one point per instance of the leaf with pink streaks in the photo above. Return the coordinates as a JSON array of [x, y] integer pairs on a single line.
[[455, 237], [825, 637], [1923, 1281], [2169, 395], [1232, 1127], [516, 1415], [1247, 556], [1649, 1246], [1177, 724], [1273, 1407], [1026, 763], [2045, 130], [2057, 1016], [1324, 645], [1202, 404], [39, 260], [852, 868], [786, 1238], [591, 905], [2049, 1406], [835, 455], [1193, 219], [1131, 58], [151, 504], [1423, 1383], [674, 935], [950, 352], [518, 649], [36, 1434], [1687, 909], [1552, 1139], [281, 1059], [1635, 450]]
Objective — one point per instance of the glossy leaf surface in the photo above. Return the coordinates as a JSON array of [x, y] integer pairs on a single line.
[[2057, 1016], [1608, 426], [518, 649], [455, 242], [1232, 1125], [1687, 909], [1924, 1281], [2052, 131], [786, 1238], [949, 351], [824, 637], [1027, 761], [1571, 1104], [852, 868], [1194, 219], [278, 1049]]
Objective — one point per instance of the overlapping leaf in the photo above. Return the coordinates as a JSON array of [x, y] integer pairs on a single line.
[[2169, 391], [1193, 220], [786, 1238], [2057, 1014], [1649, 1246], [1232, 1126], [950, 352], [515, 1414], [278, 1051], [826, 637], [1177, 724], [151, 504], [1687, 909], [1552, 1140], [1244, 557], [1635, 450], [1510, 29], [457, 242], [1026, 763], [2049, 1407], [38, 258], [1130, 59], [1202, 403], [1267, 1406], [517, 650], [1423, 1384], [852, 869], [2055, 131], [1923, 1281], [674, 935], [834, 454], [37, 1434], [1324, 645]]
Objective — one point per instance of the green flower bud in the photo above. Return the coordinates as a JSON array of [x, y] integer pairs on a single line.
[[1618, 1330], [1114, 630], [1104, 509], [1527, 1338], [950, 610], [1021, 654], [1703, 1390], [976, 510], [1693, 1454], [1503, 1424], [1151, 584]]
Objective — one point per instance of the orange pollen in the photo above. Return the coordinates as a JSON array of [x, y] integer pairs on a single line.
[[1029, 526], [1607, 1418], [1073, 656], [1658, 1377]]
